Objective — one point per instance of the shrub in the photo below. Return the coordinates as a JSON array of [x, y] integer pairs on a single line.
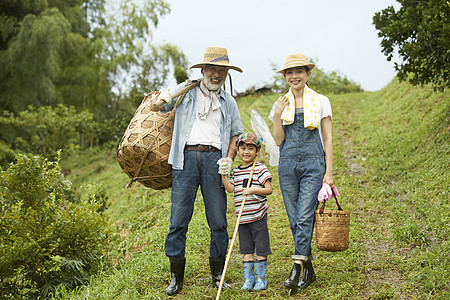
[[46, 129], [49, 235]]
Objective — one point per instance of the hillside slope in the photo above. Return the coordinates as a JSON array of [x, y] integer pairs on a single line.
[[391, 165]]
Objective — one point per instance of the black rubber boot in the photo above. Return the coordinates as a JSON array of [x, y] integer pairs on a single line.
[[308, 275], [216, 265], [292, 281], [177, 275]]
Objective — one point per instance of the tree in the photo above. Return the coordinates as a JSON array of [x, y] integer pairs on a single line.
[[136, 66], [93, 55], [420, 31], [79, 52], [46, 54], [29, 55]]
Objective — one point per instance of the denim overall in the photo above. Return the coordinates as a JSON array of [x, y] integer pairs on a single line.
[[301, 170]]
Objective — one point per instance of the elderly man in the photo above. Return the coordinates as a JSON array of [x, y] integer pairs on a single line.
[[207, 125]]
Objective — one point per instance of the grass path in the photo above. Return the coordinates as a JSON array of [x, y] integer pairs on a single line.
[[369, 221], [399, 228]]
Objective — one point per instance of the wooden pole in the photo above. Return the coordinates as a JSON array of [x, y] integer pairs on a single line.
[[230, 248]]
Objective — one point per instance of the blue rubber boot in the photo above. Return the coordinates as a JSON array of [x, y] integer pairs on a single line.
[[249, 276], [260, 270]]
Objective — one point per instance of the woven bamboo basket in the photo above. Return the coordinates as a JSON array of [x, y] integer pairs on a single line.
[[143, 152], [332, 229]]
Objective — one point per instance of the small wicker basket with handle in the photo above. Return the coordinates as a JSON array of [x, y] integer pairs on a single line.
[[332, 228]]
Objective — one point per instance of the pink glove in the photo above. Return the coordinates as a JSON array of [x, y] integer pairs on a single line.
[[325, 192]]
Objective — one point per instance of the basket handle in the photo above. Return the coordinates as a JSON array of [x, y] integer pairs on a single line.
[[194, 84], [323, 205]]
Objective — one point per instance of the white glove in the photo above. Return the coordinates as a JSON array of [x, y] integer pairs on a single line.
[[165, 96], [224, 165]]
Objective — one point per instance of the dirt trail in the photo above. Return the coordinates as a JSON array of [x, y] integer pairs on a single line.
[[380, 254]]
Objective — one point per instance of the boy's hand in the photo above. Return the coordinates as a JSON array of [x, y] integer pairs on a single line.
[[247, 191], [225, 165]]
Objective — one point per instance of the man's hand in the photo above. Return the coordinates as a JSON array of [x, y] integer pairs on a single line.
[[165, 96], [225, 165]]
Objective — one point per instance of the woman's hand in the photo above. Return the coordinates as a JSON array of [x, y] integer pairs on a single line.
[[282, 102], [328, 178], [278, 129]]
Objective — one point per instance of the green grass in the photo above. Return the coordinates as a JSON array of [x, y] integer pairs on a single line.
[[391, 165]]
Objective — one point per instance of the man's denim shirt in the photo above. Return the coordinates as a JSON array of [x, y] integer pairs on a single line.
[[184, 120]]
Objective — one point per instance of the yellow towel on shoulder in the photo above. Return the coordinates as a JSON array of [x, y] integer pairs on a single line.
[[311, 109]]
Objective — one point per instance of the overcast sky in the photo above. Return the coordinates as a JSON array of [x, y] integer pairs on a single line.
[[337, 35]]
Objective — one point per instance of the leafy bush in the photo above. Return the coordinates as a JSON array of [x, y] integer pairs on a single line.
[[45, 130], [111, 129], [332, 83], [6, 153], [49, 235]]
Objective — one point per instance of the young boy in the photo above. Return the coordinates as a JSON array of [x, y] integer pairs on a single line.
[[253, 231]]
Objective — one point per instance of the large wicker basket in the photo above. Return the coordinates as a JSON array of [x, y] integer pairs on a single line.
[[143, 152], [332, 229]]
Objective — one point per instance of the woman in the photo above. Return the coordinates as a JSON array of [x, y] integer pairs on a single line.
[[302, 129]]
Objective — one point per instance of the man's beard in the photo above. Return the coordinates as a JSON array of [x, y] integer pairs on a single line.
[[213, 86]]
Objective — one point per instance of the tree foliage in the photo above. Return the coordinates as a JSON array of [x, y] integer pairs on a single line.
[[92, 55], [80, 52], [46, 130], [41, 43], [30, 61], [420, 31]]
